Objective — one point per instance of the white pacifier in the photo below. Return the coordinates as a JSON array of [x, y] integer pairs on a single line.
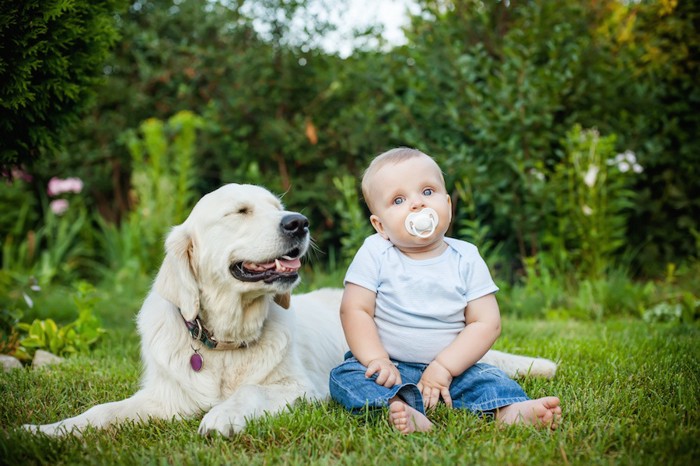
[[422, 224]]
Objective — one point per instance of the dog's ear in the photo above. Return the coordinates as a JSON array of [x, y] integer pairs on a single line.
[[177, 277], [284, 299]]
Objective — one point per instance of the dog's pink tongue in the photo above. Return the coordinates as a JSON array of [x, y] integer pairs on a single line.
[[290, 263]]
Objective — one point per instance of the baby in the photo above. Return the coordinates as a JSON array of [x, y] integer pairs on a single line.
[[419, 310]]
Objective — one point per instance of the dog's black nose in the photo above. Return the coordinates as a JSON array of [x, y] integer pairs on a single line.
[[295, 225]]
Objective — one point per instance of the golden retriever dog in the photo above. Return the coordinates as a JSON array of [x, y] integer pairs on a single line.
[[216, 336]]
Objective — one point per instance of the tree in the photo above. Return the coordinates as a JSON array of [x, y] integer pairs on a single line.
[[664, 49], [51, 57]]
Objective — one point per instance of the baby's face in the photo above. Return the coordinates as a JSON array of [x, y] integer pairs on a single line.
[[400, 189]]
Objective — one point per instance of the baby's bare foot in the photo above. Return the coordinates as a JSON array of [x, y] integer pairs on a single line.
[[407, 419], [542, 412]]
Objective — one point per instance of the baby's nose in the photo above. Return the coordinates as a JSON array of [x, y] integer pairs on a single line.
[[417, 203]]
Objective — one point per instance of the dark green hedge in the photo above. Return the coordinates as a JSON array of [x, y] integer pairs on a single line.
[[52, 54]]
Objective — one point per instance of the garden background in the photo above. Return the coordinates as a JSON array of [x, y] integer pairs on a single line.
[[568, 133]]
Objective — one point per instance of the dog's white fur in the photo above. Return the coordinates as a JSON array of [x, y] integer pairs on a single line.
[[289, 354]]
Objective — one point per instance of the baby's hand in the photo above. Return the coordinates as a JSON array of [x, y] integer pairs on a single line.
[[388, 374], [435, 382]]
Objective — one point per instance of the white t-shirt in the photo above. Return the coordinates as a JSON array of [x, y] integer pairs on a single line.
[[420, 303]]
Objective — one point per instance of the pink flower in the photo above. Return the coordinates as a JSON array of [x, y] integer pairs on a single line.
[[20, 174], [59, 206], [69, 185]]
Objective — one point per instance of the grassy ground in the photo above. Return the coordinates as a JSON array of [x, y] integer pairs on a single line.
[[630, 393]]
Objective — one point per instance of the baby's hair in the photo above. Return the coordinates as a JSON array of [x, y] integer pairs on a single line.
[[396, 155]]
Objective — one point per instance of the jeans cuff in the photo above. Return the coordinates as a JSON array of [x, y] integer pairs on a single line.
[[410, 395]]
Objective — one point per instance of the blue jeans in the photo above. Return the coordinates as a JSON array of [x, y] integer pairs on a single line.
[[481, 389]]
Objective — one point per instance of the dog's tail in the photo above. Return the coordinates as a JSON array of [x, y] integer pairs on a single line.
[[520, 366]]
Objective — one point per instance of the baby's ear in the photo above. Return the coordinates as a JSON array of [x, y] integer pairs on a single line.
[[378, 226]]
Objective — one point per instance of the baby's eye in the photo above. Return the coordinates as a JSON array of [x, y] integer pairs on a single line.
[[398, 201], [428, 192]]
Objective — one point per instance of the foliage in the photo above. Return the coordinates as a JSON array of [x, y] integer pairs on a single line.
[[686, 310], [163, 175], [542, 293], [470, 228], [16, 295], [664, 45], [62, 248], [206, 57], [51, 58], [19, 240], [75, 337], [592, 200], [353, 220], [679, 303], [18, 207], [9, 336], [490, 89], [59, 244]]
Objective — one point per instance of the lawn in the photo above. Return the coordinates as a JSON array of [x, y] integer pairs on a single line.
[[630, 393]]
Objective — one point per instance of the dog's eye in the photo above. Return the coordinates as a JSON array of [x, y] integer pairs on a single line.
[[242, 210]]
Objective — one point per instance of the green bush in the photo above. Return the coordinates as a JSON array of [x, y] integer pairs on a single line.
[[75, 337], [57, 245], [488, 88], [353, 220], [163, 177], [52, 56], [591, 201]]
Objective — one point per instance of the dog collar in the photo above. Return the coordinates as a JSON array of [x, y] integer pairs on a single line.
[[200, 333]]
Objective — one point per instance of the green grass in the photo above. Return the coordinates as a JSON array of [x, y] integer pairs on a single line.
[[630, 394]]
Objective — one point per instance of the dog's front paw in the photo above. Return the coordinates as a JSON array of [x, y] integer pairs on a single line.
[[53, 430], [222, 421]]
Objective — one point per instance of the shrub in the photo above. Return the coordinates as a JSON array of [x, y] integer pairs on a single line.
[[591, 201], [75, 337], [353, 221], [162, 180], [51, 57]]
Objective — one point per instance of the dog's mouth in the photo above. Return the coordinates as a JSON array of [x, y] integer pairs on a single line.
[[283, 268]]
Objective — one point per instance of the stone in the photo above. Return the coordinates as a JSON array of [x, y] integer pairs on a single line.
[[44, 358], [9, 362]]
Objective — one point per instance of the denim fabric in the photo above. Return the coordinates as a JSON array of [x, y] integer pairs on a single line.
[[480, 389]]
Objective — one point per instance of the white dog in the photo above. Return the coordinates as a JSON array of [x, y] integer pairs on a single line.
[[214, 339]]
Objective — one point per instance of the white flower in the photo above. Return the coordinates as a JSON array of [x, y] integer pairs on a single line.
[[626, 161], [591, 175], [587, 211], [28, 300], [538, 175]]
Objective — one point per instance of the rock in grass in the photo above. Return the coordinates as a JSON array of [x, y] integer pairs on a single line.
[[44, 358], [9, 362]]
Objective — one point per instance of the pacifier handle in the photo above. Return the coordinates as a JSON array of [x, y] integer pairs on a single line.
[[425, 233], [427, 215]]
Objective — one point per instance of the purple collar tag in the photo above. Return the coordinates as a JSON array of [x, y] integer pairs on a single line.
[[196, 361]]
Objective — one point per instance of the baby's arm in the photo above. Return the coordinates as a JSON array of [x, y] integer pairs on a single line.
[[483, 321], [357, 317]]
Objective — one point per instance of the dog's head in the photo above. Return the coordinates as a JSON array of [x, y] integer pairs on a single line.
[[237, 239]]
